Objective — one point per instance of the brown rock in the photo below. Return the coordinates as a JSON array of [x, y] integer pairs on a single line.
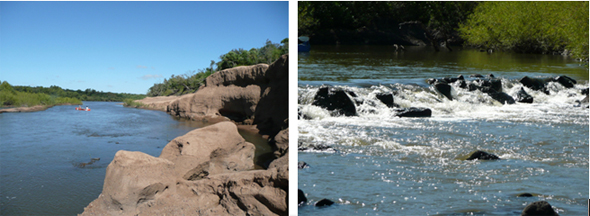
[[239, 76], [273, 107]]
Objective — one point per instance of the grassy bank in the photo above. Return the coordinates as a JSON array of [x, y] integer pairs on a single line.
[[530, 27], [132, 103], [9, 97]]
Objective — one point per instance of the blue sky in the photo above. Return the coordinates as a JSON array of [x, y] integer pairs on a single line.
[[127, 46]]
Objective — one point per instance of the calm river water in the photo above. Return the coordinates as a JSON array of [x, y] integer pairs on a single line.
[[41, 151], [384, 165]]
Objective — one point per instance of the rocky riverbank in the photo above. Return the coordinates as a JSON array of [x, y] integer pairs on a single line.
[[210, 170]]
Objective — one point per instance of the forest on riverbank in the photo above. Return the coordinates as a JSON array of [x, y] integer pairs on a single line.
[[17, 96], [530, 27], [192, 80]]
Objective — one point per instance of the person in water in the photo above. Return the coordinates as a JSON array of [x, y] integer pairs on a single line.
[[86, 107]]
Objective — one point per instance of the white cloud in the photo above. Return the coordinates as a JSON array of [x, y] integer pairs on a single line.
[[141, 66], [151, 76]]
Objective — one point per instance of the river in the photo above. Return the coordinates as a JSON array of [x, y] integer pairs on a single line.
[[41, 153], [381, 164]]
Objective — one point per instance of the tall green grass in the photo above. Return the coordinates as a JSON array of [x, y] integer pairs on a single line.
[[536, 27], [12, 98]]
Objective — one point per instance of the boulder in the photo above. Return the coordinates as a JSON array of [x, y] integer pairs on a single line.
[[523, 97], [537, 84], [387, 99], [241, 76], [272, 110], [481, 155], [443, 89], [500, 97], [208, 171], [301, 199], [302, 165], [524, 195], [539, 208], [566, 81], [413, 112], [324, 202], [335, 99]]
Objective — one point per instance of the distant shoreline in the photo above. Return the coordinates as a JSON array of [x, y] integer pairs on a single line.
[[32, 108]]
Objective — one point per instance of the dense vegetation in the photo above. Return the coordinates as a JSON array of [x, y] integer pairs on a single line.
[[192, 80], [539, 27], [11, 97], [381, 15], [534, 27], [30, 96]]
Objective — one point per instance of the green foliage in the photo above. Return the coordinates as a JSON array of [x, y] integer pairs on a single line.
[[540, 27], [191, 81], [380, 15], [10, 96], [132, 103], [86, 95]]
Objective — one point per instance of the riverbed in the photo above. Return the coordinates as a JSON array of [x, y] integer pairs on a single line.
[[48, 160], [380, 164]]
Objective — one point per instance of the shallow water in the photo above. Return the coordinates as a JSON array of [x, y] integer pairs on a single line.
[[41, 152], [385, 165]]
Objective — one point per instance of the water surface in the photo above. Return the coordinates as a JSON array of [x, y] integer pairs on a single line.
[[384, 165]]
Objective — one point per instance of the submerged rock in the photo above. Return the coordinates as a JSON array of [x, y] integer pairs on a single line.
[[539, 208], [301, 199], [523, 97], [324, 202], [481, 155], [302, 165], [524, 195], [335, 99], [414, 112]]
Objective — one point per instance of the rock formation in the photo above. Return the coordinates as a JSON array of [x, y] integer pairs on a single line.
[[210, 170]]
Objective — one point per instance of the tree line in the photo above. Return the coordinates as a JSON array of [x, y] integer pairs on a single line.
[[192, 80], [30, 96], [532, 27], [11, 96]]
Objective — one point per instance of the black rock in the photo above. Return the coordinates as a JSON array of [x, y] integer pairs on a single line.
[[523, 97], [585, 91], [302, 165], [524, 195], [481, 155], [444, 89], [501, 97], [387, 99], [324, 202], [414, 112], [335, 99], [301, 199], [539, 208], [535, 83], [565, 81]]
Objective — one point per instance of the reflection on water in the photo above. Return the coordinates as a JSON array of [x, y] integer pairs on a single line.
[[385, 165]]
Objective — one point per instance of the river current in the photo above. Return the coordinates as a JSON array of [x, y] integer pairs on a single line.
[[42, 154], [380, 164]]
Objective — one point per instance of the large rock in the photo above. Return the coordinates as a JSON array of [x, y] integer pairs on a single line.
[[208, 171], [413, 112], [481, 155], [335, 99], [387, 99], [523, 97], [539, 208], [241, 76], [444, 89], [272, 110]]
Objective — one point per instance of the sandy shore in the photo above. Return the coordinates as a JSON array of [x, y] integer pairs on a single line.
[[31, 109]]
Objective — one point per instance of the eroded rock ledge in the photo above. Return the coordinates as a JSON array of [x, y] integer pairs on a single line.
[[210, 170]]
